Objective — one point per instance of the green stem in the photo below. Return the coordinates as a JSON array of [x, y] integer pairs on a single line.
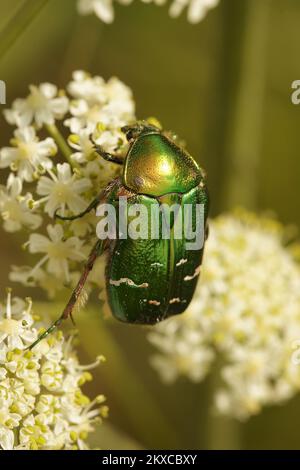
[[19, 23], [61, 142], [245, 119], [223, 432], [86, 50]]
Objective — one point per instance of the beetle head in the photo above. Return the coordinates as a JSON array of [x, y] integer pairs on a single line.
[[133, 131]]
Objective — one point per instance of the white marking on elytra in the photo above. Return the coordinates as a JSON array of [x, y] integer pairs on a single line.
[[196, 273], [129, 282], [182, 261], [154, 302], [176, 300], [156, 264]]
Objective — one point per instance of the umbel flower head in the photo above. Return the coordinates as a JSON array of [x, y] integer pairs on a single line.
[[61, 173], [244, 319], [104, 9], [42, 405]]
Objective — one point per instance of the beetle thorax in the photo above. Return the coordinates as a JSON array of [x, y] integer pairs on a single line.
[[156, 166]]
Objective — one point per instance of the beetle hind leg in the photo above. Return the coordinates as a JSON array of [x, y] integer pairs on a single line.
[[97, 251]]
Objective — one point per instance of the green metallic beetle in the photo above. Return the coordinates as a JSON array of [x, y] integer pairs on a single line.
[[148, 280]]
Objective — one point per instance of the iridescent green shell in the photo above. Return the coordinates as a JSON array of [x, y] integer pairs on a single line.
[[152, 279]]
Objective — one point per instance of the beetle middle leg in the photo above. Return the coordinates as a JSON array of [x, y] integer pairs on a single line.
[[96, 251]]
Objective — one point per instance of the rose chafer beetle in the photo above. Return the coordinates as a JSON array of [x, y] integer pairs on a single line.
[[150, 279]]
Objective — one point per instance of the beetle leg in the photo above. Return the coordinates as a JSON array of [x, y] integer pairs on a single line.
[[97, 250], [100, 198], [90, 207], [108, 156]]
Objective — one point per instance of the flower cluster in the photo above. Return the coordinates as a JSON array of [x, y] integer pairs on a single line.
[[104, 9], [244, 319], [42, 405], [54, 168]]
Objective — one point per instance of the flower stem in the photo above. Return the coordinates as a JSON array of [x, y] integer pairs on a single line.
[[61, 142], [18, 24], [222, 432], [244, 131]]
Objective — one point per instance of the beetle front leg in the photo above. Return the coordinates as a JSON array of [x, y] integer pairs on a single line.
[[97, 251], [90, 207], [108, 156]]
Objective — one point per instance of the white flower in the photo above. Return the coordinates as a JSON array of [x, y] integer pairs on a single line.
[[85, 225], [28, 156], [58, 251], [82, 142], [6, 438], [26, 276], [36, 276], [113, 108], [15, 333], [112, 141], [42, 106], [102, 8], [52, 376], [246, 310], [100, 172], [63, 191], [184, 352], [197, 9], [157, 2], [120, 107], [98, 110], [42, 404], [14, 207], [84, 116], [91, 89]]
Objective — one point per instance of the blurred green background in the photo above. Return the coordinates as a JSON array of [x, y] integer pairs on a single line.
[[223, 85]]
